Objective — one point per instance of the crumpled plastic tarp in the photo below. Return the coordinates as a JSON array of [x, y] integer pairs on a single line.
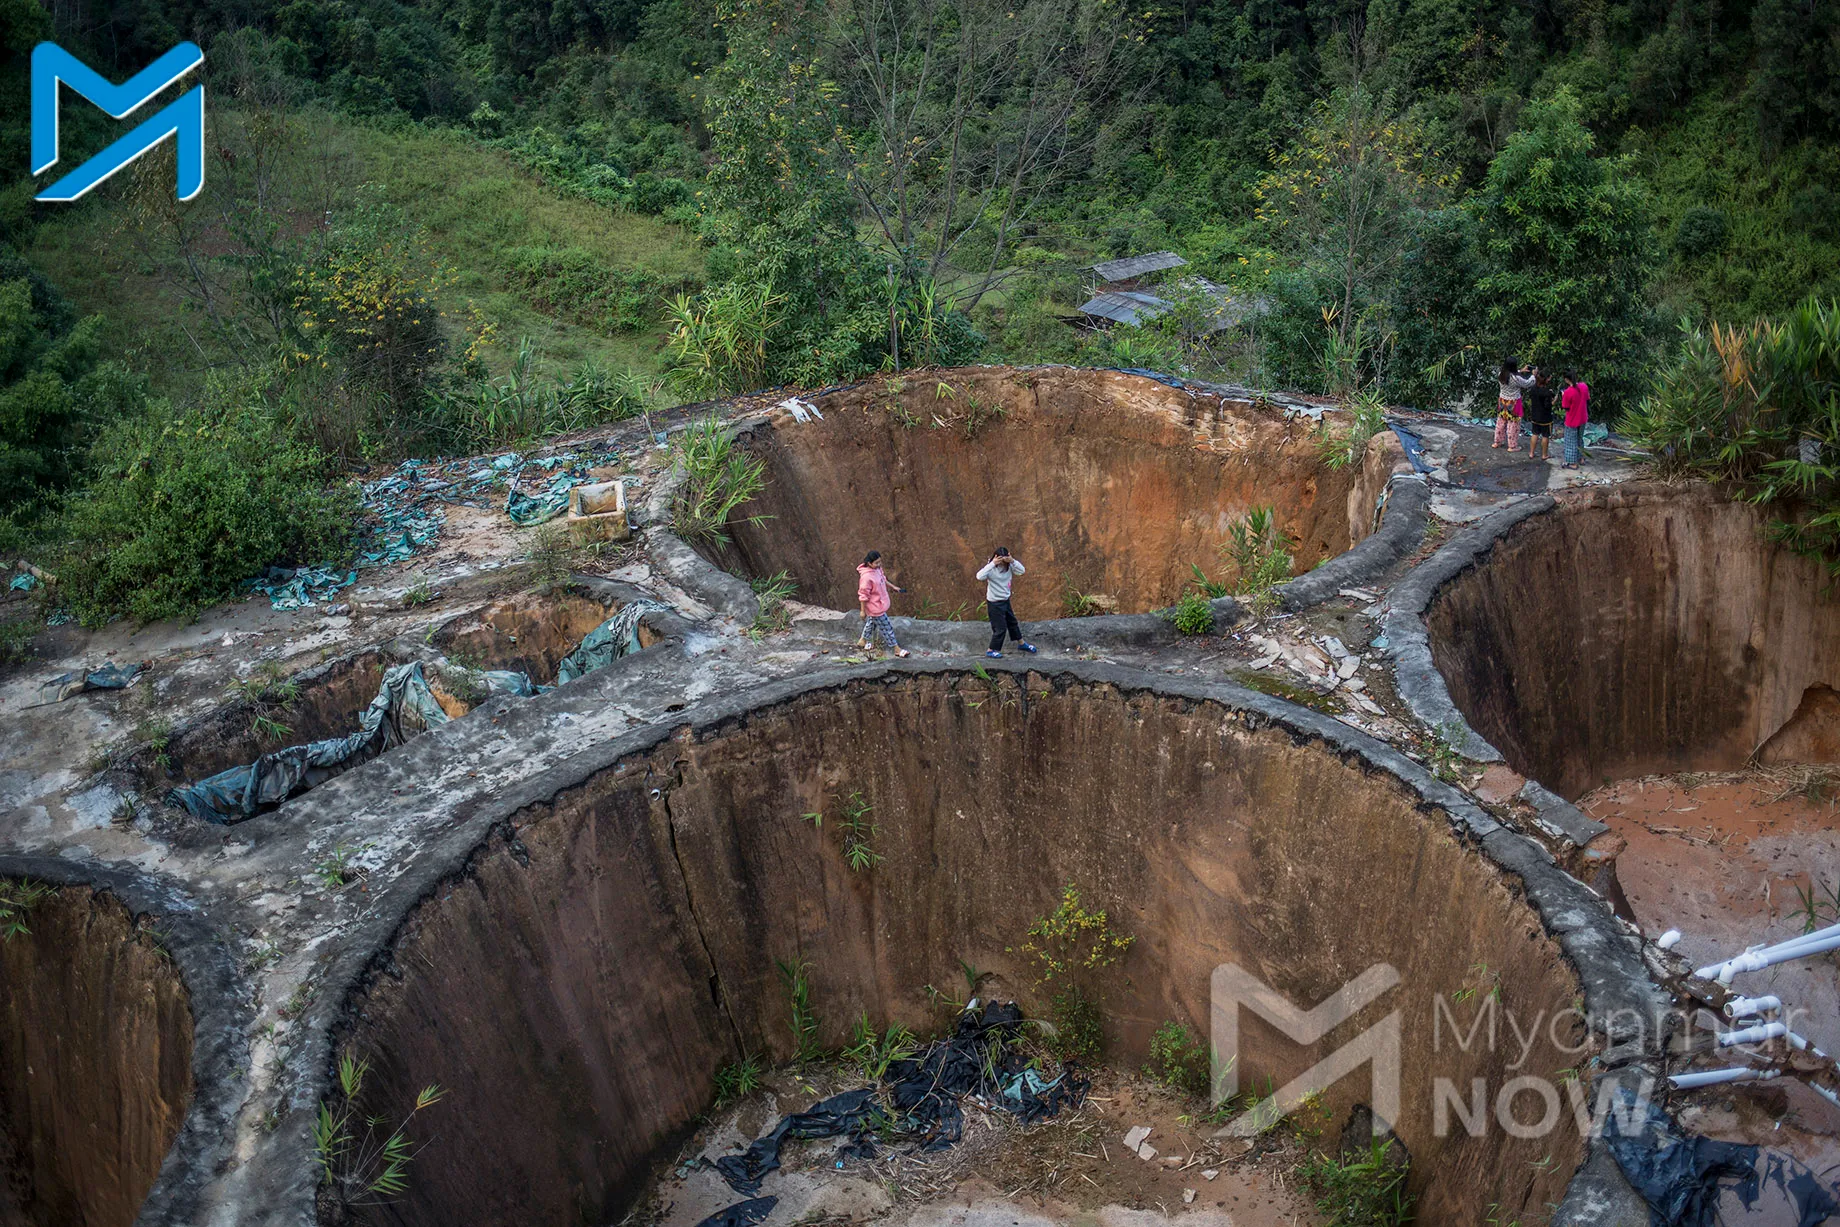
[[1415, 447], [405, 512], [25, 581], [923, 1094], [1678, 1176], [297, 587], [506, 681], [529, 510], [616, 637], [742, 1213], [404, 706], [108, 677]]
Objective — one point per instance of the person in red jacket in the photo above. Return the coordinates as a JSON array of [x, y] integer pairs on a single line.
[[1576, 401], [872, 595]]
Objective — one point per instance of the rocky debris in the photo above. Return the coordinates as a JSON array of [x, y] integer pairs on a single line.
[[1325, 664]]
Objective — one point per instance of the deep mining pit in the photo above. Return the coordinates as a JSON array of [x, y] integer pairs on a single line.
[[1642, 630], [527, 632], [95, 1063], [531, 632], [577, 984], [1104, 484]]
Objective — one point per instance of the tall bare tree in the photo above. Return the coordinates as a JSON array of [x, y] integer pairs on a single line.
[[956, 119]]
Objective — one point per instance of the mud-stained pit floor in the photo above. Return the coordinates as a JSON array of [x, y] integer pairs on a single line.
[[1733, 859], [1072, 1168], [607, 952], [1109, 487]]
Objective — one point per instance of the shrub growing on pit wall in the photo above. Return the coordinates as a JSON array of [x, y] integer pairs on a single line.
[[1074, 949], [183, 508]]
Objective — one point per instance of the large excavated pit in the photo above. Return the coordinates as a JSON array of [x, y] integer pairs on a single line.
[[532, 632], [1642, 630], [611, 946], [1105, 484], [525, 632], [95, 1061]]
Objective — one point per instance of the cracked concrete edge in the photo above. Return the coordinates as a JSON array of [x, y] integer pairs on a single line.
[[1560, 817], [1419, 683], [277, 1185], [1600, 1195], [221, 1012], [971, 638], [1402, 527], [673, 557], [1422, 687]]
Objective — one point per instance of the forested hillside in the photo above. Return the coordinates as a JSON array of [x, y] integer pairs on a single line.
[[458, 223]]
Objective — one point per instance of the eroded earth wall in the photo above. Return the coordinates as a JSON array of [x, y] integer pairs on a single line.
[[1101, 482], [95, 1064], [602, 956], [1638, 630]]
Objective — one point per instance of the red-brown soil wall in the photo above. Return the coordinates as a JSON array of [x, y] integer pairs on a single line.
[[578, 989], [1642, 630], [95, 1064], [1101, 482]]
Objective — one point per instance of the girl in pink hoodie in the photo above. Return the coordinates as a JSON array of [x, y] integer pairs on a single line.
[[1576, 401], [872, 595]]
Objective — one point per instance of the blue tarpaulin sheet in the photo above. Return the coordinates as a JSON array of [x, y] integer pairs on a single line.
[[616, 637], [405, 512], [404, 706], [108, 677], [294, 588], [1415, 448]]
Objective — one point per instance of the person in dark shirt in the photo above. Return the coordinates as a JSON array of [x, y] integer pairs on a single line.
[[1539, 410]]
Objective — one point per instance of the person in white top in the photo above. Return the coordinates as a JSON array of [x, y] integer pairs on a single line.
[[1511, 382], [997, 575]]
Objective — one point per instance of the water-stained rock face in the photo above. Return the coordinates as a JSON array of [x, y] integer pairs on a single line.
[[95, 1063], [612, 946], [1642, 629], [1103, 484]]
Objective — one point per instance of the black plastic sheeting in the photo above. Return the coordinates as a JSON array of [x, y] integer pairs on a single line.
[[918, 1101], [742, 1213], [1680, 1176]]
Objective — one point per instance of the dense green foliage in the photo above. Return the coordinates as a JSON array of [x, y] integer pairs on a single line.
[[1570, 250], [448, 224], [1759, 407], [184, 506]]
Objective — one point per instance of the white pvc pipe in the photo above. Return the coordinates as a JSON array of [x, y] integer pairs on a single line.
[[1806, 941], [1751, 1007], [1754, 1035], [1798, 1042], [1757, 960], [1668, 940], [1712, 1077], [1712, 969]]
